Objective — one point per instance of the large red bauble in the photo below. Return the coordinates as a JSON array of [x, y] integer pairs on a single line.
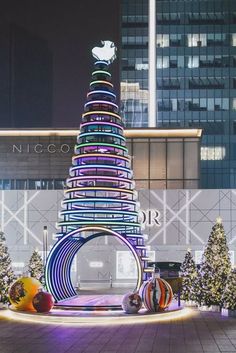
[[43, 302]]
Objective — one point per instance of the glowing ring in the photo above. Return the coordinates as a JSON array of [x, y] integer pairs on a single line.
[[101, 123], [101, 81], [102, 92], [81, 145], [101, 72], [100, 112], [102, 133], [99, 188], [61, 290], [101, 102], [103, 155]]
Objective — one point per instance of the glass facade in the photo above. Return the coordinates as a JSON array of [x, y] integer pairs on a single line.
[[158, 159], [195, 76]]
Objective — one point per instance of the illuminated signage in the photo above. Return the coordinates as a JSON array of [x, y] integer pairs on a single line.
[[150, 217]]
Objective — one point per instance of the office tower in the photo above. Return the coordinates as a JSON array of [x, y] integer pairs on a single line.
[[179, 70]]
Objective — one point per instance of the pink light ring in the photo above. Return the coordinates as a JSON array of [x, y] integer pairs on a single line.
[[101, 92], [103, 156], [102, 123], [101, 102], [99, 211], [97, 177], [99, 167]]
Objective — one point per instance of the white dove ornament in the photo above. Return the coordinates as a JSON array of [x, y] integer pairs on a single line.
[[105, 53]]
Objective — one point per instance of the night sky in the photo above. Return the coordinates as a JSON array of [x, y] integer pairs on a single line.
[[71, 28]]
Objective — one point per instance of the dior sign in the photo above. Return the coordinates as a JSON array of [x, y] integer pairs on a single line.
[[150, 218], [40, 148]]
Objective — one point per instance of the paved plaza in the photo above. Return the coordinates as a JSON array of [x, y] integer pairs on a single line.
[[200, 332]]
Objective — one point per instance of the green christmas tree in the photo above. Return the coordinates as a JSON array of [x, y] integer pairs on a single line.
[[189, 275], [229, 294], [215, 267], [36, 268], [7, 276]]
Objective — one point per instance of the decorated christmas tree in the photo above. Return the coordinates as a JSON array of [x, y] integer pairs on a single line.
[[215, 267], [100, 196], [6, 273], [189, 275], [36, 268], [229, 294]]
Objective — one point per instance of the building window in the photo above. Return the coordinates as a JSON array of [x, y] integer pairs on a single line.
[[197, 40], [193, 62], [233, 39], [162, 62], [163, 40]]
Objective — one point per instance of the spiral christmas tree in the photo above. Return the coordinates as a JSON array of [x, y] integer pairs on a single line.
[[100, 197]]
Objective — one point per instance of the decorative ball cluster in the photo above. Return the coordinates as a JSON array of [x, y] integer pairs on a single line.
[[25, 295]]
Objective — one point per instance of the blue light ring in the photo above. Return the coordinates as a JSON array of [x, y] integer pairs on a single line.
[[84, 223], [63, 239], [100, 91], [64, 288]]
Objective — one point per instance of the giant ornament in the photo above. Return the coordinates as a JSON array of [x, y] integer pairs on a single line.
[[156, 294], [131, 303], [43, 302], [22, 292]]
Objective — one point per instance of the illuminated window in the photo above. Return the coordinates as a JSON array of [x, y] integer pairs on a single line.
[[213, 153], [163, 40], [193, 61], [197, 40], [163, 62], [234, 39]]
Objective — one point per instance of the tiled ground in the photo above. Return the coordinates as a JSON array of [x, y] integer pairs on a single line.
[[204, 332]]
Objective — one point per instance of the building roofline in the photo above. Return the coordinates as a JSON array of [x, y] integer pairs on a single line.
[[129, 133]]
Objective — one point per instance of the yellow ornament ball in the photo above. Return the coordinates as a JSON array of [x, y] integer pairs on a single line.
[[22, 292]]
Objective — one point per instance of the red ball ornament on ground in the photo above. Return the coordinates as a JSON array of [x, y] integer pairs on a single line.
[[43, 302], [156, 294]]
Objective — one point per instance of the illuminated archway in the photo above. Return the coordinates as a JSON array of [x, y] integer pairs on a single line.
[[59, 262]]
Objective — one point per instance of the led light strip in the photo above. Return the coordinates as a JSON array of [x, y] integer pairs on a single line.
[[101, 72], [101, 82], [103, 200], [83, 210], [102, 155], [99, 177], [93, 188], [101, 102], [102, 133], [101, 123], [99, 166], [101, 92], [100, 112], [57, 247], [101, 144]]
